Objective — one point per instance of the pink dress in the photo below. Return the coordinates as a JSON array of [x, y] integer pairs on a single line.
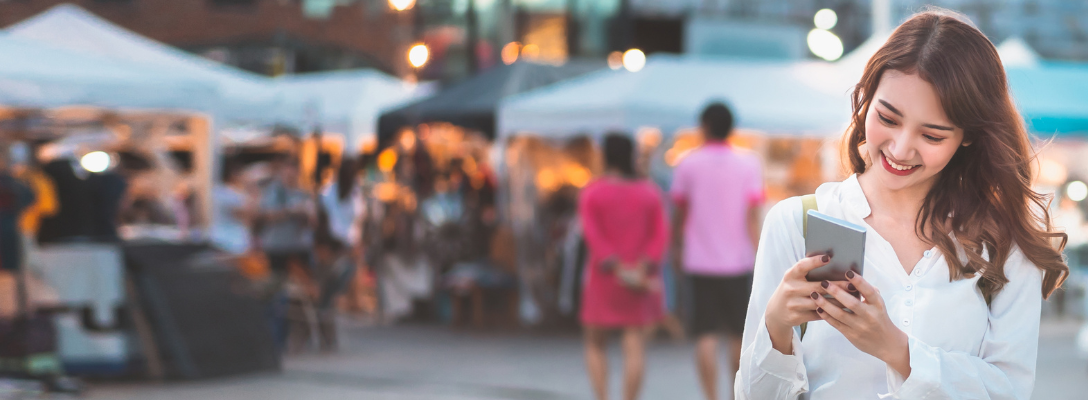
[[625, 220]]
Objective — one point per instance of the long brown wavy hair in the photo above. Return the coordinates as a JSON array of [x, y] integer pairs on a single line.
[[984, 195]]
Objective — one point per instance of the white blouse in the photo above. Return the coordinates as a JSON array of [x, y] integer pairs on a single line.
[[959, 347]]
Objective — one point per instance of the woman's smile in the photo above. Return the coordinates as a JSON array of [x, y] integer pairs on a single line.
[[896, 168]]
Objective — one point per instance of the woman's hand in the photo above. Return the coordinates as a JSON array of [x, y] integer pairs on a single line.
[[867, 324], [792, 303]]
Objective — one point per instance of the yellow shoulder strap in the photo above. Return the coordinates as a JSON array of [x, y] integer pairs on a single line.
[[808, 202]]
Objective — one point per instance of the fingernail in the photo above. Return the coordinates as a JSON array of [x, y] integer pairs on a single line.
[[819, 310], [825, 284], [826, 258], [851, 288], [850, 274], [814, 295]]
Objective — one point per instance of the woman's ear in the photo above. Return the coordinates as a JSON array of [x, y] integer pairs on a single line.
[[966, 143]]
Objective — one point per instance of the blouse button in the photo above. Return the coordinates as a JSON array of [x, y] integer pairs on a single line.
[[908, 287], [918, 272], [909, 302], [906, 322], [927, 253], [800, 376]]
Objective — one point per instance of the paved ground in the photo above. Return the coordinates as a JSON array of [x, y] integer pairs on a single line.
[[437, 363]]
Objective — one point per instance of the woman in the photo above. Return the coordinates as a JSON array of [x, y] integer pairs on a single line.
[[958, 251], [623, 218]]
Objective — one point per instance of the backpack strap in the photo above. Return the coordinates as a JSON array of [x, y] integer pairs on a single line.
[[808, 202]]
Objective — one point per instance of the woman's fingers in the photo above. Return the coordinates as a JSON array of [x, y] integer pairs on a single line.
[[825, 309], [831, 320], [845, 298], [870, 293], [801, 269]]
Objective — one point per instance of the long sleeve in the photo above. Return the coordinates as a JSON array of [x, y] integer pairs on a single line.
[[658, 234], [764, 372], [1005, 366], [589, 213]]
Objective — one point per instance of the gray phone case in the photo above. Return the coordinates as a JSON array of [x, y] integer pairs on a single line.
[[843, 241]]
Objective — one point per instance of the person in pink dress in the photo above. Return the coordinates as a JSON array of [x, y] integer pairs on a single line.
[[623, 217]]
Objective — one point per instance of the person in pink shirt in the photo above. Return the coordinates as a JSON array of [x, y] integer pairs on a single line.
[[623, 219], [717, 193]]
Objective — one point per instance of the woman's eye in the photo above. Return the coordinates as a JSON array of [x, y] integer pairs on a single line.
[[933, 139], [885, 120]]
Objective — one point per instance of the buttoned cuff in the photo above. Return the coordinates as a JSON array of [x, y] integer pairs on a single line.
[[790, 368], [925, 373]]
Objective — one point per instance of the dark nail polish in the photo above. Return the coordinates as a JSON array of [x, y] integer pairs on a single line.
[[825, 284], [851, 288], [814, 295], [819, 310], [850, 274], [826, 258]]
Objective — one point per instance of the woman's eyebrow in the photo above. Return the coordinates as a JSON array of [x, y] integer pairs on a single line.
[[931, 126], [939, 127], [894, 110]]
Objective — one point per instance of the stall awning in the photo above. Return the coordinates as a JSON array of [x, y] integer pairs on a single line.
[[775, 97], [41, 76], [473, 103], [243, 98], [349, 102]]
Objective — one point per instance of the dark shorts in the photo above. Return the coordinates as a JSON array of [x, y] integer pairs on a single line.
[[718, 304]]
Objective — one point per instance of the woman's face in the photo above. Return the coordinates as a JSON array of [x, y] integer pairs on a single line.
[[909, 139]]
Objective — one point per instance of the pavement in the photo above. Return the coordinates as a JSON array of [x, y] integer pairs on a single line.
[[413, 362]]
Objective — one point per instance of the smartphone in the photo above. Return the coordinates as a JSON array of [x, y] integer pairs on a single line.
[[843, 241]]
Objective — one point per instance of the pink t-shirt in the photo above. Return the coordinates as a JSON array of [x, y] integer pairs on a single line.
[[718, 185]]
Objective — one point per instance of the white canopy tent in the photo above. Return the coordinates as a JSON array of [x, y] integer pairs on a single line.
[[669, 93], [350, 102], [45, 77], [243, 98]]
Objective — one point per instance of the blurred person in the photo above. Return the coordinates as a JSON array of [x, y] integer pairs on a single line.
[[24, 167], [287, 213], [15, 198], [623, 216], [717, 193], [959, 253], [344, 205], [286, 234], [234, 212], [338, 244]]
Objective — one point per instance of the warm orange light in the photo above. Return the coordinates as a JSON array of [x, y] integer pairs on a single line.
[[531, 51], [418, 55], [510, 52], [615, 60], [387, 160], [401, 5], [578, 176]]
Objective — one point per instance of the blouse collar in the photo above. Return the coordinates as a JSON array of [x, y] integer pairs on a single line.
[[849, 194]]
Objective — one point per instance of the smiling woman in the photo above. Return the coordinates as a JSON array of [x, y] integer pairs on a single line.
[[958, 252]]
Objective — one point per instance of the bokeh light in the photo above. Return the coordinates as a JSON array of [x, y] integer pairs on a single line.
[[825, 44], [634, 60], [615, 60], [510, 52], [1076, 190], [826, 19], [418, 55], [95, 161]]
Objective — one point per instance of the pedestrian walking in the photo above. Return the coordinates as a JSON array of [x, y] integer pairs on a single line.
[[958, 251], [717, 193], [623, 217]]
